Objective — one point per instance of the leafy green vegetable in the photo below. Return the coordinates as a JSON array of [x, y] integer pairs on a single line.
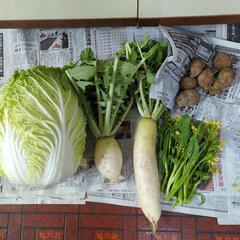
[[42, 127], [104, 90], [187, 157], [148, 55]]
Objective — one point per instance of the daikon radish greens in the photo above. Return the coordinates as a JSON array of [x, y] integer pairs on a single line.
[[104, 88], [188, 156], [151, 53]]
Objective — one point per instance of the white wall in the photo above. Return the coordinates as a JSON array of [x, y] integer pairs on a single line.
[[66, 9], [173, 8]]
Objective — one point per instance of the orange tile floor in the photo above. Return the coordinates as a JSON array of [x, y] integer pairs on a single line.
[[104, 222]]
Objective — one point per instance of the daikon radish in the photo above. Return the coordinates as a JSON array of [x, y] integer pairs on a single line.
[[150, 54], [146, 170]]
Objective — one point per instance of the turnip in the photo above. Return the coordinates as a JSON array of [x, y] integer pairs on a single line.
[[104, 90], [151, 53], [108, 158]]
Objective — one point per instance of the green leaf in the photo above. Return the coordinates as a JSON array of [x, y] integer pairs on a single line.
[[127, 69], [83, 72], [150, 77], [104, 95], [65, 81], [185, 131], [159, 57], [87, 56], [103, 104], [104, 66], [83, 84], [151, 52], [144, 42], [133, 57]]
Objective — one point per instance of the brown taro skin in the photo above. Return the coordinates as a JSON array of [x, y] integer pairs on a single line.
[[189, 97], [222, 60], [196, 67], [206, 78], [188, 83], [224, 79]]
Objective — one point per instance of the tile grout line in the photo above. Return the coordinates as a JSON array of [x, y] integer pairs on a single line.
[[35, 233], [136, 218], [21, 226], [122, 228], [65, 227], [79, 223], [7, 232], [195, 223], [181, 229]]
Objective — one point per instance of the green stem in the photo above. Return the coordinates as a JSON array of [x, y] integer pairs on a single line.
[[171, 179], [185, 188], [158, 112], [190, 195], [174, 176], [140, 110], [119, 104], [178, 184], [150, 104], [141, 54], [122, 118], [113, 118], [144, 104], [128, 50], [91, 120], [156, 105], [165, 177], [138, 66], [87, 109], [106, 131], [100, 115]]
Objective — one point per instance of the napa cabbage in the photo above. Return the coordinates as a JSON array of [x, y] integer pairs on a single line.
[[42, 127]]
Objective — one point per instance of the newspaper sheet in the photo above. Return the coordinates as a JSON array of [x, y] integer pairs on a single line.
[[21, 49], [55, 47], [224, 188], [229, 220]]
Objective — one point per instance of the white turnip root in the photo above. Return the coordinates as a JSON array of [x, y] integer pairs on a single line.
[[146, 170], [108, 158]]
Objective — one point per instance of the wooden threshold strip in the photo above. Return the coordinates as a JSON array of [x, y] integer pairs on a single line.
[[70, 23], [219, 19], [117, 22]]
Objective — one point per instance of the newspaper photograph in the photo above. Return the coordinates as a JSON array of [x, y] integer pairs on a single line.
[[21, 49]]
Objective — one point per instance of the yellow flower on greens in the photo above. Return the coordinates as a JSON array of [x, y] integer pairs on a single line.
[[178, 118], [177, 133], [193, 128]]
